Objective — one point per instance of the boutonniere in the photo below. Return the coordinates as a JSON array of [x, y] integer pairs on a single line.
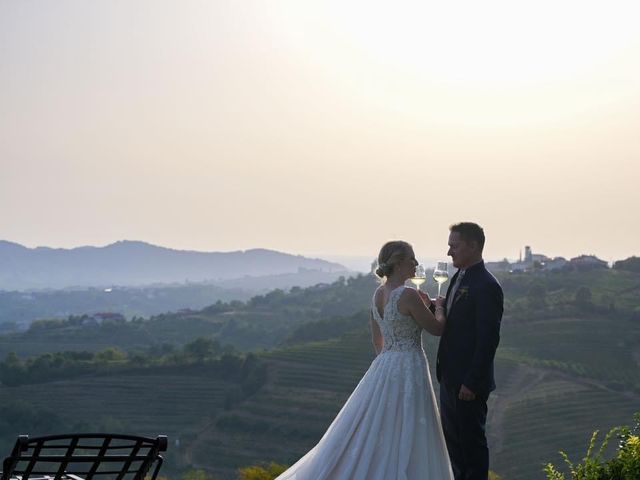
[[463, 292]]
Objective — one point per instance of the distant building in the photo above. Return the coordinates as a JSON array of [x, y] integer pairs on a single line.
[[531, 261], [521, 266], [502, 266], [528, 256], [556, 263], [540, 262], [538, 257], [588, 261]]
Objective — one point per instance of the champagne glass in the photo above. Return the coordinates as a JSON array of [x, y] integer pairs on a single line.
[[420, 277], [441, 274]]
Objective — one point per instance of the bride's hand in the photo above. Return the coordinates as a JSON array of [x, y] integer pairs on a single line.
[[440, 301]]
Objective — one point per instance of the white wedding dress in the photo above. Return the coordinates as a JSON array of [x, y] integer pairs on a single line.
[[389, 428]]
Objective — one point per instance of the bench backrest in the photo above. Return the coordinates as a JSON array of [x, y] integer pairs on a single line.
[[90, 455]]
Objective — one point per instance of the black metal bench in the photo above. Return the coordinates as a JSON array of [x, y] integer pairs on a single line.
[[84, 456]]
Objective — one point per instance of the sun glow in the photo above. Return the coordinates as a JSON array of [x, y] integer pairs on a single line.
[[493, 44], [480, 63]]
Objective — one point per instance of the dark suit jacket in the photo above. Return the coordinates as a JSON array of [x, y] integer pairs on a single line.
[[471, 335]]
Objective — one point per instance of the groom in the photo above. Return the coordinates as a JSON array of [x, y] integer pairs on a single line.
[[474, 305]]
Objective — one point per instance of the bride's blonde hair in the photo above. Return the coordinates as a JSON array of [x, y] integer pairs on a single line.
[[390, 254]]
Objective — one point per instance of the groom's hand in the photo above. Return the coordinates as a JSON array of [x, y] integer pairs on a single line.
[[425, 298], [466, 394]]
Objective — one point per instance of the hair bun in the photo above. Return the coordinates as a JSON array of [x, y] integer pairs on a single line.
[[384, 270]]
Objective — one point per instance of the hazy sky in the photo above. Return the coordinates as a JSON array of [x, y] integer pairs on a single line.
[[321, 126]]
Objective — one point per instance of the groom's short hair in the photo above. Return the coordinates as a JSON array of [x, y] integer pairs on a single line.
[[469, 231]]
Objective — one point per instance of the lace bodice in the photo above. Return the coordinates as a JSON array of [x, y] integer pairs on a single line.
[[400, 332]]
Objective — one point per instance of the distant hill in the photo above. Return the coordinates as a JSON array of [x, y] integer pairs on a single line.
[[134, 263]]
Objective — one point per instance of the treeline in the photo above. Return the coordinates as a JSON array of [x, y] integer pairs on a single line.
[[18, 417], [222, 362], [19, 307], [556, 293], [345, 296], [540, 302]]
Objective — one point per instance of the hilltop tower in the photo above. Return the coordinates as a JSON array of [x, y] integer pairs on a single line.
[[528, 256]]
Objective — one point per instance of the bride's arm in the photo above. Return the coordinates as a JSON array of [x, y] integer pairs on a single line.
[[419, 310], [376, 334]]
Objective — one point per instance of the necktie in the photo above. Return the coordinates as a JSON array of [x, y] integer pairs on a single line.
[[454, 289]]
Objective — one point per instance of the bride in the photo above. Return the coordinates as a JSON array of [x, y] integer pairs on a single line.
[[389, 428]]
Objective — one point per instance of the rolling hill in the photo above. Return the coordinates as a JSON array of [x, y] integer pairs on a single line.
[[568, 364]]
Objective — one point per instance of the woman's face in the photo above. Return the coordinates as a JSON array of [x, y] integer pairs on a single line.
[[406, 268]]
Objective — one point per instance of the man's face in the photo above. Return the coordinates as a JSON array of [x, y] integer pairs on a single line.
[[463, 254]]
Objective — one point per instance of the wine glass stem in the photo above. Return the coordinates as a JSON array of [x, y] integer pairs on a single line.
[[439, 285]]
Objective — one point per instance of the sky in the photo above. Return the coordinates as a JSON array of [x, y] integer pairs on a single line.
[[322, 128]]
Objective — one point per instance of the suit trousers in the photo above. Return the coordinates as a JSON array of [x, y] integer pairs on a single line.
[[464, 423]]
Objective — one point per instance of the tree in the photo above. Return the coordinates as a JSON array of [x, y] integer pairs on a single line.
[[202, 348], [12, 370], [230, 365], [583, 297], [111, 354], [608, 301], [537, 295]]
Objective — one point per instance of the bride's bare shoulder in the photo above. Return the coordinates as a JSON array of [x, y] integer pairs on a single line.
[[378, 294], [409, 292], [408, 296]]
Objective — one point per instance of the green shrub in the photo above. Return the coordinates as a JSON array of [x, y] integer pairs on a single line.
[[625, 465], [256, 472]]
